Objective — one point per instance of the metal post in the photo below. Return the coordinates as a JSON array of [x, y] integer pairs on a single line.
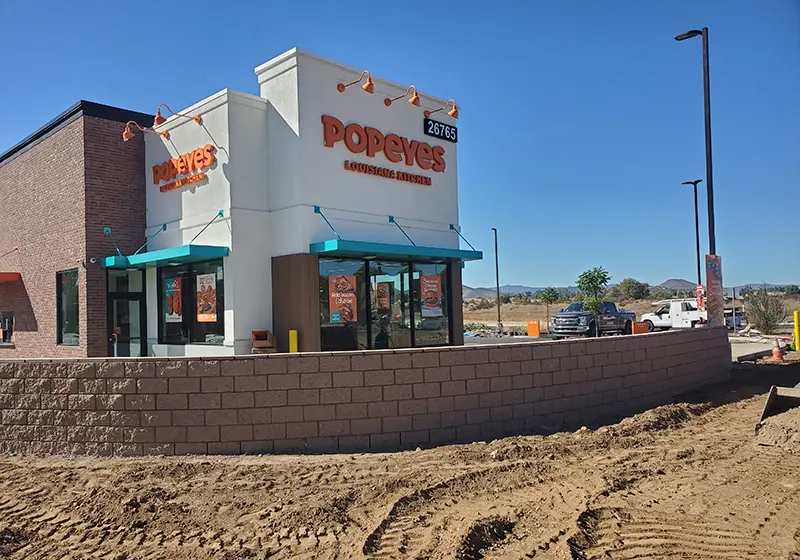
[[697, 238], [734, 310], [712, 241], [497, 279]]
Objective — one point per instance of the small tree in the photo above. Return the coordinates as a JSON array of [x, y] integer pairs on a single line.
[[548, 296], [766, 311], [792, 290], [592, 284]]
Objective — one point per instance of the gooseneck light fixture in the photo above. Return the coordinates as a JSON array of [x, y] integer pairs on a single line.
[[452, 112], [414, 99], [128, 133], [368, 86], [161, 120]]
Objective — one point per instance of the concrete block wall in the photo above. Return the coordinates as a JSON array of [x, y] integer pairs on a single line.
[[345, 402]]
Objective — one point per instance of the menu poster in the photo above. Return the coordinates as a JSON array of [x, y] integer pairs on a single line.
[[342, 299], [715, 296], [431, 296], [174, 300], [701, 302], [384, 291], [207, 298]]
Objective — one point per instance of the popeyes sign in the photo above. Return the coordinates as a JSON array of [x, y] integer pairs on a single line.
[[191, 163], [395, 148]]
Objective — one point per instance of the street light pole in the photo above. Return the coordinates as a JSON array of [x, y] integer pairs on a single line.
[[497, 279], [712, 241], [696, 229]]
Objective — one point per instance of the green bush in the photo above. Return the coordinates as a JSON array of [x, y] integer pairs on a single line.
[[765, 311]]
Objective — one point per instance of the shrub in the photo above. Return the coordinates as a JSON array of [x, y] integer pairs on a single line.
[[766, 311]]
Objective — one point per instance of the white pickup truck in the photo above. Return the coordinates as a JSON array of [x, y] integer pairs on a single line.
[[674, 314]]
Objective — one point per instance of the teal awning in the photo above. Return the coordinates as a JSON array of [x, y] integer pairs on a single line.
[[367, 249], [164, 257]]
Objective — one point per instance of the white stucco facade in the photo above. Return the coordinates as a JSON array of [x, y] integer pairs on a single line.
[[272, 168]]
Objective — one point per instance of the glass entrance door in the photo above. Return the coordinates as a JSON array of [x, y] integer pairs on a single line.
[[392, 318], [126, 326]]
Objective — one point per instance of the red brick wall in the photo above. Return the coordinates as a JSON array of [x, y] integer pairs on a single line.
[[43, 214], [115, 197], [347, 401], [56, 197]]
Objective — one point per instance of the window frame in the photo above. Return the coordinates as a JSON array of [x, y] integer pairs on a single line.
[[191, 320], [449, 304], [59, 312], [4, 315]]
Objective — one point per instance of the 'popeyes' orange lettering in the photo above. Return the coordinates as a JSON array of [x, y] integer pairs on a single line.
[[395, 148], [184, 164]]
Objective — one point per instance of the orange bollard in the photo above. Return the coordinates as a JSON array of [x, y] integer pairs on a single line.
[[777, 355], [533, 328]]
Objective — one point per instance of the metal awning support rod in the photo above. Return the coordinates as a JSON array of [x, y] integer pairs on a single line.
[[318, 210], [107, 233], [392, 221], [15, 249], [149, 239], [453, 227], [219, 215]]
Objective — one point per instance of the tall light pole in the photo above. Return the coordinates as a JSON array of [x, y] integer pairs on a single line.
[[712, 241], [497, 279], [696, 229]]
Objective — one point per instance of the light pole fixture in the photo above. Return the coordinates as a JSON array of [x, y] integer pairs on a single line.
[[128, 133], [368, 86], [696, 229], [161, 120], [712, 241], [452, 112], [497, 280], [414, 99]]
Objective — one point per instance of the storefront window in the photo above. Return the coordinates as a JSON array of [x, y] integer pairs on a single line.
[[391, 305], [191, 304], [408, 304], [431, 315], [343, 304], [67, 333], [6, 327]]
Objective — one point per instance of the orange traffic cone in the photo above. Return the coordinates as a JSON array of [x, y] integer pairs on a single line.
[[777, 355]]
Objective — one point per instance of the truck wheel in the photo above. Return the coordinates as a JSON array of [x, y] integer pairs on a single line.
[[627, 329], [591, 332], [650, 326]]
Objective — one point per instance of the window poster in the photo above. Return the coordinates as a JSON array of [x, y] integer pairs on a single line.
[[384, 294], [174, 300], [431, 296], [342, 299], [207, 298]]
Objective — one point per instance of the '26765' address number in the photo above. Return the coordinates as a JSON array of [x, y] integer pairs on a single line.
[[440, 130]]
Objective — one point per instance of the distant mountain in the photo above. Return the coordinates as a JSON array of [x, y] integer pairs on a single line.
[[677, 284]]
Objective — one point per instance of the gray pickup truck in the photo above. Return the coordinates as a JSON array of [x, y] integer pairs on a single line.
[[576, 321]]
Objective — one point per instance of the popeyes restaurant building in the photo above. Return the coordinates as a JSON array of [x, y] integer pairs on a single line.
[[319, 206]]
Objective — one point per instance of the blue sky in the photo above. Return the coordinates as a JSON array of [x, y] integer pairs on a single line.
[[579, 119]]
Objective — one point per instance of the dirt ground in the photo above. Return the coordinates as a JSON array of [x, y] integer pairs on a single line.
[[686, 480], [516, 315]]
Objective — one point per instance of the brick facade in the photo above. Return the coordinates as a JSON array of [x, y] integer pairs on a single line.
[[59, 189], [341, 402]]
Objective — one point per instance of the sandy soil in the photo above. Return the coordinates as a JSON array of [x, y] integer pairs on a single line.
[[686, 480]]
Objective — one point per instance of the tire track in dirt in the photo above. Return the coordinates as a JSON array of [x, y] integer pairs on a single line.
[[621, 533]]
